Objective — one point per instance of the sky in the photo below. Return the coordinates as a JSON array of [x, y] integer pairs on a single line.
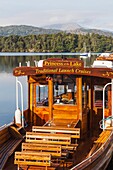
[[88, 13]]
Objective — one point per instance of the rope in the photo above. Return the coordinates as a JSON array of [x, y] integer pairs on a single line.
[[101, 122]]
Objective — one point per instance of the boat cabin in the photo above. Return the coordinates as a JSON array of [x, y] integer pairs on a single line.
[[65, 93]]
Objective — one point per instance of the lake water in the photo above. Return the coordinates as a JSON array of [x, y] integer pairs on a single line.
[[8, 85], [7, 82], [7, 89]]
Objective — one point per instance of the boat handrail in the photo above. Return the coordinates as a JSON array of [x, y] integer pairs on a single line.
[[92, 157], [18, 83]]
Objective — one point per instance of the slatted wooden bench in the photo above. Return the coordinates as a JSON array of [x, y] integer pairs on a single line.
[[9, 141], [103, 137], [25, 167], [98, 143], [49, 138], [54, 150], [38, 160], [74, 132]]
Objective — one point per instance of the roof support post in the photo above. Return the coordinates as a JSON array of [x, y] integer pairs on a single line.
[[79, 94], [50, 98]]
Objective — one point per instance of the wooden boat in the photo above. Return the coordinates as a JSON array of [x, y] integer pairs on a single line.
[[69, 118], [105, 56]]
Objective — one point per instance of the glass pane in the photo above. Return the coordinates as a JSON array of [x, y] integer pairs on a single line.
[[42, 95], [98, 101]]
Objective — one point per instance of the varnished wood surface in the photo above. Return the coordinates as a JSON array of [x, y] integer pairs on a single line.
[[75, 132], [48, 138], [10, 139], [54, 150], [28, 158]]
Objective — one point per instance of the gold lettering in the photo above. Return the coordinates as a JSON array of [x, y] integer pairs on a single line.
[[76, 64], [82, 71], [19, 72], [66, 64], [108, 74], [46, 63], [62, 63], [38, 71], [66, 70], [52, 63]]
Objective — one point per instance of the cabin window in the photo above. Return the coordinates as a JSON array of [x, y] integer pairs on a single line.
[[42, 95], [64, 90], [58, 90], [98, 97]]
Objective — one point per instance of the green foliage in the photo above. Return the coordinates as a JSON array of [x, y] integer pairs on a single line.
[[60, 42]]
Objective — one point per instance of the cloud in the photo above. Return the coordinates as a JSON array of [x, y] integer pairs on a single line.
[[40, 13]]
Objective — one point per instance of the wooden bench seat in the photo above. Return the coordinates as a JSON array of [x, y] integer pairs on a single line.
[[33, 159], [54, 150], [49, 138], [8, 143], [74, 132], [24, 167], [103, 137]]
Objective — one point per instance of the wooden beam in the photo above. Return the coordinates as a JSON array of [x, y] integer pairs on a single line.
[[91, 102], [79, 96], [85, 94], [50, 98], [31, 102]]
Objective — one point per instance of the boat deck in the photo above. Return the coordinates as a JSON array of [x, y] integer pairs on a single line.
[[77, 156]]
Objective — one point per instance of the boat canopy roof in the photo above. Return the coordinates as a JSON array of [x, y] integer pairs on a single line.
[[72, 66]]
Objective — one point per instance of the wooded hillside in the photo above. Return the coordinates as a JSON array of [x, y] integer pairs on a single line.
[[60, 42]]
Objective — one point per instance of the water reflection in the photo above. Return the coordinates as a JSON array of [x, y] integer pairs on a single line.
[[7, 97], [7, 63]]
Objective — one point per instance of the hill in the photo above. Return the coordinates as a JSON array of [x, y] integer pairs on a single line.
[[23, 30]]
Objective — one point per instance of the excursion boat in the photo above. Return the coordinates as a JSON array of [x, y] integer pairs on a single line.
[[68, 123], [105, 56]]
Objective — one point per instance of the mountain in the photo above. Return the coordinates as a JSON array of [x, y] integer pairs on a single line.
[[77, 29], [24, 30], [90, 31], [64, 27]]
